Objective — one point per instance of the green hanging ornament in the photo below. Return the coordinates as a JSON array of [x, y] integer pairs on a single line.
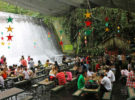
[[8, 47], [61, 31], [88, 32], [10, 19], [106, 24]]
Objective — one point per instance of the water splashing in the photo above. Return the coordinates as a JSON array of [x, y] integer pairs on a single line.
[[27, 30]]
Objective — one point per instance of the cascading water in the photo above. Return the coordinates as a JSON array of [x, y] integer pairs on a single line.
[[26, 31]]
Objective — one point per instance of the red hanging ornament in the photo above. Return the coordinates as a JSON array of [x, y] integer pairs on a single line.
[[88, 23], [2, 38], [61, 43], [9, 37], [106, 19]]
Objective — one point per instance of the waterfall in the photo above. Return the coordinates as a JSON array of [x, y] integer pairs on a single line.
[[27, 32]]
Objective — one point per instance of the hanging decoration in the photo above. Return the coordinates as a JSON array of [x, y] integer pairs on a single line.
[[107, 29], [61, 38], [9, 37], [85, 40], [106, 19], [106, 24], [88, 15], [118, 29], [2, 38], [1, 33], [35, 43], [10, 19], [88, 24], [9, 45], [61, 42], [88, 32], [9, 29], [61, 32], [49, 35], [3, 43]]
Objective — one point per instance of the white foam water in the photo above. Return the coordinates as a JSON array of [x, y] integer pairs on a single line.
[[26, 31]]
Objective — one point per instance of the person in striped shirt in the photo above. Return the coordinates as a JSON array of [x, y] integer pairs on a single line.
[[61, 78]]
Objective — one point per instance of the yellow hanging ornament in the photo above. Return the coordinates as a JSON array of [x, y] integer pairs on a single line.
[[8, 43], [61, 38], [9, 29], [85, 37], [107, 29], [118, 27], [2, 43], [88, 15]]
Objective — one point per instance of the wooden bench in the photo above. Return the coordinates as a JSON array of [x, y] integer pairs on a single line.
[[57, 88], [107, 96], [28, 98], [77, 93]]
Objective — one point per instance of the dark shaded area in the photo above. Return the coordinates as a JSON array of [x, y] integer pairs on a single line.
[[119, 91]]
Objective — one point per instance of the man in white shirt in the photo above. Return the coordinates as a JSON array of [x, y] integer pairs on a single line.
[[105, 85], [90, 72], [119, 57], [110, 75]]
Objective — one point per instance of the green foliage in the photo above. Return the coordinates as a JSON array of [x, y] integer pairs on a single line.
[[74, 22]]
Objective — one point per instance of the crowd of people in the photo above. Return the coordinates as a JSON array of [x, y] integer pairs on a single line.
[[105, 68], [27, 70]]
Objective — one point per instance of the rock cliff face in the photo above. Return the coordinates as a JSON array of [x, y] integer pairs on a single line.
[[58, 7], [124, 4], [47, 7]]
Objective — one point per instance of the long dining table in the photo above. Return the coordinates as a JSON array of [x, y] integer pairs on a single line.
[[9, 93]]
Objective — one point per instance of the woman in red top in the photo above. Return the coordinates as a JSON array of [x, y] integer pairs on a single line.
[[4, 73]]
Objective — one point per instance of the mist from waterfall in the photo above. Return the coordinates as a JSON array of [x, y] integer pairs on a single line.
[[26, 31]]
